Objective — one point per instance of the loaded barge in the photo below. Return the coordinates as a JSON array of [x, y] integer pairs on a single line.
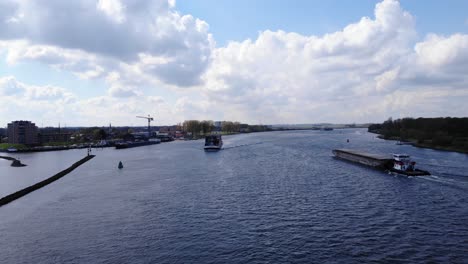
[[124, 145], [396, 163]]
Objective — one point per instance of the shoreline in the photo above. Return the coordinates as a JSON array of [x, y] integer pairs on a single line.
[[421, 145]]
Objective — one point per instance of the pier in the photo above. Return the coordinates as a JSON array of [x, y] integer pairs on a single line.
[[15, 162], [10, 198]]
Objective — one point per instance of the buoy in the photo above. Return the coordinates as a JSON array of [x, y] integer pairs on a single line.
[[347, 140], [120, 165]]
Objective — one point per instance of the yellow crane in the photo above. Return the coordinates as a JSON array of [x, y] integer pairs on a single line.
[[149, 118]]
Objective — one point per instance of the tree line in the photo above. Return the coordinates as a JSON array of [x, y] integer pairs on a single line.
[[448, 132], [205, 127]]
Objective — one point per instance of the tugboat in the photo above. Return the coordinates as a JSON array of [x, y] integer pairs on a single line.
[[402, 164], [213, 143]]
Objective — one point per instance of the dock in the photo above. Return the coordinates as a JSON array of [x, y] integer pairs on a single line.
[[364, 158]]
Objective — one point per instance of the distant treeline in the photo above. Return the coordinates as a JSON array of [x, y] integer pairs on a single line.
[[444, 133], [205, 127]]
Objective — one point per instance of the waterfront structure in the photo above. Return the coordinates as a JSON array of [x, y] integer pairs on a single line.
[[171, 131], [54, 137], [22, 132]]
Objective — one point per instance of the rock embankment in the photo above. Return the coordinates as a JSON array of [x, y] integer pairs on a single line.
[[10, 198]]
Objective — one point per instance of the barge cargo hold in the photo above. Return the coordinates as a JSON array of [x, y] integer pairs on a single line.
[[124, 145], [397, 163], [364, 158]]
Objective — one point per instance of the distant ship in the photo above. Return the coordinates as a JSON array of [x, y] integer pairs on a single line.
[[213, 143]]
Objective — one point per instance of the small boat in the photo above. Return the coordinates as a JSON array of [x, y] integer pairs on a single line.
[[120, 165], [213, 143], [404, 143], [402, 164], [12, 150]]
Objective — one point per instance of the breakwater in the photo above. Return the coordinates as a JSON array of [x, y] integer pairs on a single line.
[[7, 158], [15, 163], [9, 198]]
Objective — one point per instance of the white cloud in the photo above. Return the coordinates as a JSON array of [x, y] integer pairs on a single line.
[[9, 86], [290, 77], [437, 51], [112, 8], [368, 71], [72, 31]]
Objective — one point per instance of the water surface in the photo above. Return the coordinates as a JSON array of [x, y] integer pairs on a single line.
[[276, 197]]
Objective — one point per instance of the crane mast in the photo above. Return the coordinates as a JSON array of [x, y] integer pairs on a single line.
[[149, 118]]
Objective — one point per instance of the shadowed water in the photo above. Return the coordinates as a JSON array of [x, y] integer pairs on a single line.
[[275, 197]]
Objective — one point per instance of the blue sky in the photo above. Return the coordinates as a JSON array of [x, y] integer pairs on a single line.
[[262, 61], [241, 19]]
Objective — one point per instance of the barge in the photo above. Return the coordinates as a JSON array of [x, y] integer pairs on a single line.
[[364, 158], [396, 163], [124, 145]]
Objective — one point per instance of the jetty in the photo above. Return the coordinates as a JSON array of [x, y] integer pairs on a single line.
[[364, 158], [15, 162], [14, 196]]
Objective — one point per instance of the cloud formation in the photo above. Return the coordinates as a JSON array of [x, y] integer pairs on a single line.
[[68, 32], [371, 69]]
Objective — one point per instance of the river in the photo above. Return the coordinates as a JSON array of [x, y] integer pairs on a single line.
[[274, 197]]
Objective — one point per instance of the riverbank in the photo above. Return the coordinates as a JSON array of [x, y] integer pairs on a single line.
[[427, 145]]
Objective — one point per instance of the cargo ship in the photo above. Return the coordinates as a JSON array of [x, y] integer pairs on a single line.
[[123, 145], [396, 163]]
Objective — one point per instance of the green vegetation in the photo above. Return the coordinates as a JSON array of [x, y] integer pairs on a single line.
[[199, 129], [5, 146], [439, 133]]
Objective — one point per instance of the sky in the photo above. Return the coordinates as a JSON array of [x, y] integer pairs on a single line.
[[95, 62]]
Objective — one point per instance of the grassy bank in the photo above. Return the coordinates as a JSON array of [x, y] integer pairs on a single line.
[[5, 146]]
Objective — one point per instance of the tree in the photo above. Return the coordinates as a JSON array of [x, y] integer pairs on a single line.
[[206, 126], [192, 126], [99, 134]]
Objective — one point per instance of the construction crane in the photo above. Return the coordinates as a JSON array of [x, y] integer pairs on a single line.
[[149, 118]]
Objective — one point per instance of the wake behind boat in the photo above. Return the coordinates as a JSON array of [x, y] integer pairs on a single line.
[[213, 143]]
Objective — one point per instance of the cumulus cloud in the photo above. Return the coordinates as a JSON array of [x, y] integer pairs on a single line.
[[69, 32], [288, 77], [51, 104], [11, 87], [371, 69], [438, 52], [33, 102]]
